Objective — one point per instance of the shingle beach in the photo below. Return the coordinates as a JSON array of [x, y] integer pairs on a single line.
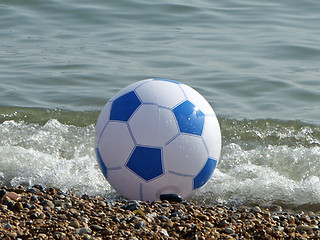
[[38, 213]]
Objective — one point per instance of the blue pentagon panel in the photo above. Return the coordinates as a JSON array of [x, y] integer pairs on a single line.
[[168, 80], [101, 164], [146, 162], [123, 107], [190, 118], [205, 173]]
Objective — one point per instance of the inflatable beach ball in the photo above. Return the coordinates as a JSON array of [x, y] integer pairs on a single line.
[[157, 136]]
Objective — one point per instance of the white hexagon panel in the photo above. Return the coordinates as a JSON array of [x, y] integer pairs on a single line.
[[159, 125]]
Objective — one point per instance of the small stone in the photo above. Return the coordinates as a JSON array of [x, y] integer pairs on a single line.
[[228, 230], [304, 228], [139, 224], [59, 235], [75, 224], [18, 206], [48, 203], [102, 204], [95, 227], [291, 220], [243, 209], [51, 191], [38, 187], [169, 224], [208, 224], [163, 218], [41, 215], [278, 228], [203, 217], [62, 217], [164, 232], [58, 203], [19, 190], [269, 230], [133, 205], [266, 215], [32, 190], [139, 212], [7, 226], [87, 237], [236, 216], [10, 204], [256, 209], [13, 196], [171, 197], [3, 207], [33, 199], [42, 236], [223, 223], [75, 213], [84, 230], [2, 193], [276, 218], [291, 229]]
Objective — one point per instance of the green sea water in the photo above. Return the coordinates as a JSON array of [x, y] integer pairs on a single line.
[[256, 62]]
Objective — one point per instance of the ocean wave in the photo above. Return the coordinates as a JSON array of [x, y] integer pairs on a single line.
[[263, 162]]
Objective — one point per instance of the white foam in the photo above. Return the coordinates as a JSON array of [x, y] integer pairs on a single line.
[[265, 175], [62, 156], [55, 155]]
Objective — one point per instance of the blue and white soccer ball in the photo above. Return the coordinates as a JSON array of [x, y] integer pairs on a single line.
[[157, 136]]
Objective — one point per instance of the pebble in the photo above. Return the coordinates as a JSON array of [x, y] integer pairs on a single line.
[[7, 226], [13, 196], [18, 206], [84, 230], [96, 227], [228, 230], [134, 205], [48, 203], [50, 214], [302, 228], [164, 232], [3, 207], [2, 193], [140, 224], [208, 224], [74, 223], [256, 209], [171, 197]]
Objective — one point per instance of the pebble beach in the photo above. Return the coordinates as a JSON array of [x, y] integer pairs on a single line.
[[38, 213]]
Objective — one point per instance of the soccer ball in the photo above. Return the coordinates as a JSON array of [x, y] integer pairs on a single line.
[[157, 136]]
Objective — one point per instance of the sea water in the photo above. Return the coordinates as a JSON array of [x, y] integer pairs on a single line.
[[256, 62]]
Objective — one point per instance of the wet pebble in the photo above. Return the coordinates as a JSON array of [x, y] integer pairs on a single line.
[[140, 224], [2, 193], [47, 203], [95, 227], [134, 205], [51, 214], [84, 230], [171, 197], [74, 223], [302, 228], [228, 230], [18, 206], [13, 196], [7, 226]]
